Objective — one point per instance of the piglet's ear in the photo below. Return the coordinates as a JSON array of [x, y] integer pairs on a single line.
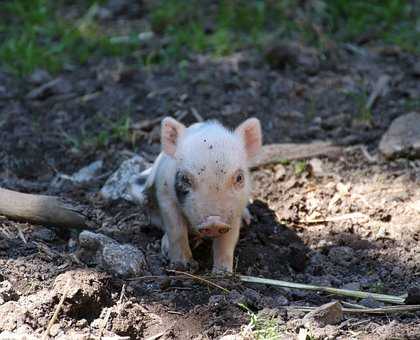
[[250, 132], [171, 132]]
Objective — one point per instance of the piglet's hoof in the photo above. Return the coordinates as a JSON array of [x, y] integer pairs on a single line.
[[189, 266]]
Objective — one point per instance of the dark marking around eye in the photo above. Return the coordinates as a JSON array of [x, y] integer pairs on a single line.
[[182, 186], [205, 140], [140, 181]]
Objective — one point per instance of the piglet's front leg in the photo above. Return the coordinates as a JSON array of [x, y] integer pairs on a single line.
[[224, 248], [175, 244]]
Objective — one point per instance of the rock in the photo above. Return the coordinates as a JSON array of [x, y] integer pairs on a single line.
[[315, 167], [53, 87], [39, 77], [328, 314], [87, 290], [402, 139], [7, 293], [84, 175], [122, 259], [120, 184]]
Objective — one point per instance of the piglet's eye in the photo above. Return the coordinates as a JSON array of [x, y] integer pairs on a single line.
[[239, 178]]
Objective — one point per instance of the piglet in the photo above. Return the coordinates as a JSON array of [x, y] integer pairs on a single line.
[[201, 184]]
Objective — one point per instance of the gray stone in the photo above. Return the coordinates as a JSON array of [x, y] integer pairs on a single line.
[[122, 259], [84, 175], [402, 138], [119, 184], [328, 314]]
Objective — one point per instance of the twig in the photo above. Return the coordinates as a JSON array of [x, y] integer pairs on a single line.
[[147, 277], [147, 123], [353, 305], [198, 278], [57, 311], [371, 159], [381, 310], [196, 115], [344, 292], [334, 218], [277, 153], [180, 115]]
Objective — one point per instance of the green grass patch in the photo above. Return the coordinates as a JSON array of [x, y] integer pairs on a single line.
[[34, 36], [231, 25], [263, 328]]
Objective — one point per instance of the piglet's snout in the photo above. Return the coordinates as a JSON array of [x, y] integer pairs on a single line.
[[213, 226]]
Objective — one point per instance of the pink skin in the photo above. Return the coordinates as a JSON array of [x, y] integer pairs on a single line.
[[215, 198]]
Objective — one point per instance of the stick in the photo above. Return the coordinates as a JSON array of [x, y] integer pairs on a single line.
[[196, 115], [344, 292], [195, 277], [57, 311], [277, 153], [39, 209], [355, 215], [380, 310]]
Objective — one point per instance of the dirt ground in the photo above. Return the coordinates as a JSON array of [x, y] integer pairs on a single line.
[[95, 113]]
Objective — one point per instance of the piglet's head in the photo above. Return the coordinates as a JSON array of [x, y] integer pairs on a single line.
[[211, 180]]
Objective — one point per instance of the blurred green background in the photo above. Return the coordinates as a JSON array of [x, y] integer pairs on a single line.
[[52, 34]]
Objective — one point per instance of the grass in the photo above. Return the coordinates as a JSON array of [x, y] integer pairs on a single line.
[[35, 34], [112, 131], [262, 328], [234, 25]]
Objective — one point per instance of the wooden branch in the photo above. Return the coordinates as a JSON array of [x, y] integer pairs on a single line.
[[276, 153], [39, 209]]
